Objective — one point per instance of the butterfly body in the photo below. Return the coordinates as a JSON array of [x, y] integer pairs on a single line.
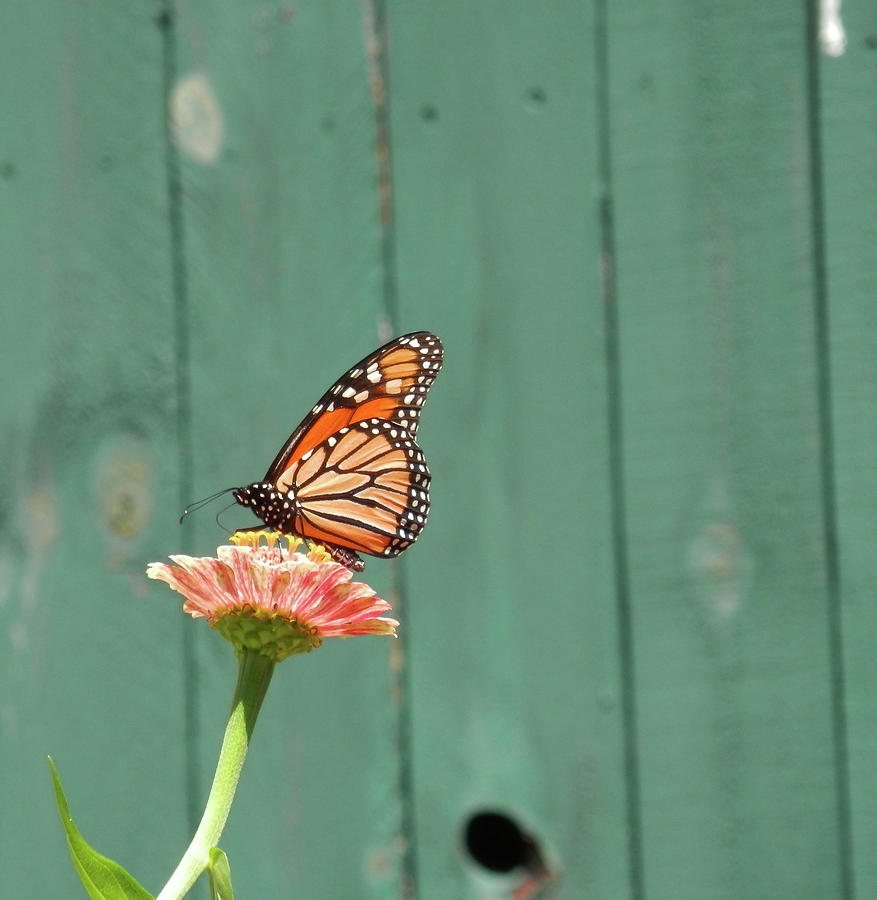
[[351, 476]]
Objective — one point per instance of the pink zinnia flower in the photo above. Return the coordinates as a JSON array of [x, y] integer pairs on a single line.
[[268, 598]]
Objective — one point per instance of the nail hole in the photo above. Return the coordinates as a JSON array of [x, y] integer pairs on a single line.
[[497, 843], [871, 41], [428, 112], [536, 95], [8, 170]]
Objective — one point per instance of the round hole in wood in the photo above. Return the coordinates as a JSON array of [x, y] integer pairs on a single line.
[[495, 842]]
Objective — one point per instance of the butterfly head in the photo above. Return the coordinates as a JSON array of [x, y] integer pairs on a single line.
[[243, 495], [276, 510], [257, 496]]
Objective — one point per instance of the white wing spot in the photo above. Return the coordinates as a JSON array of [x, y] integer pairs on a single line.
[[374, 377], [348, 392]]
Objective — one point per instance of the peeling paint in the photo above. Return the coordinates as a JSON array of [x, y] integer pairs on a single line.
[[832, 37], [720, 567], [41, 515], [373, 40], [196, 119], [123, 478], [25, 642]]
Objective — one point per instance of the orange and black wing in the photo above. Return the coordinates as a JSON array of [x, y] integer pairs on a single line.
[[390, 384], [351, 475], [366, 488]]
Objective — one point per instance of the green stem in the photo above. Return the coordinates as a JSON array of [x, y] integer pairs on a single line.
[[254, 676]]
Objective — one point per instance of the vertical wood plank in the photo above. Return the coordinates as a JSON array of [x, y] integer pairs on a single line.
[[284, 281], [90, 661], [848, 140], [514, 679], [721, 450]]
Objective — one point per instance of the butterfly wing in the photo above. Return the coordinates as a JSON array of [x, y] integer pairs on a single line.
[[351, 474], [390, 384], [366, 488]]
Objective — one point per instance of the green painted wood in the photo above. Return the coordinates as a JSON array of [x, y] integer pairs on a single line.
[[515, 686], [849, 145], [721, 451], [284, 284], [702, 614], [91, 669]]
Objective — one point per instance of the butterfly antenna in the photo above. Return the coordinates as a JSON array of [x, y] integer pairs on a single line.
[[193, 507], [224, 508]]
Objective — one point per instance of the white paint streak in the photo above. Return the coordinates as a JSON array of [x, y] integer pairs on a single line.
[[832, 37], [196, 119]]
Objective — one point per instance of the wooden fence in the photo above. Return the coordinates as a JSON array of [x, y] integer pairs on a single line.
[[641, 622]]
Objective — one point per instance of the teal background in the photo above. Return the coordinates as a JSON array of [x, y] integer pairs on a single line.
[[641, 620]]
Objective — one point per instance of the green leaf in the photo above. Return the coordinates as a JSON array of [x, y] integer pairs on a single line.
[[220, 876], [102, 878]]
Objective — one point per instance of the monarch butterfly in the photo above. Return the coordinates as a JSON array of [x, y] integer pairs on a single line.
[[351, 476]]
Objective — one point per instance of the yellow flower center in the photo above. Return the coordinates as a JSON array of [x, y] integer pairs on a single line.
[[273, 541]]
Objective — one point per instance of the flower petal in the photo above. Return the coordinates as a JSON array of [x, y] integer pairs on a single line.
[[282, 592]]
